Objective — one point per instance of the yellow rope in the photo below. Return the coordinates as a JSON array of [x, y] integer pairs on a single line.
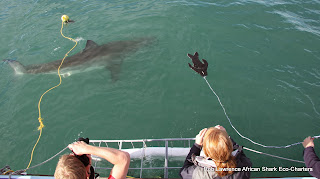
[[7, 172], [40, 118]]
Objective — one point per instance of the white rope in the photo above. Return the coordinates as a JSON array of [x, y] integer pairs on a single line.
[[256, 143], [23, 170], [275, 156]]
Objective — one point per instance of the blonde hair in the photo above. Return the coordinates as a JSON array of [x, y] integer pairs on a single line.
[[70, 167], [218, 146]]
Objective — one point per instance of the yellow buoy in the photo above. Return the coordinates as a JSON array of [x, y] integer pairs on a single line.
[[65, 18]]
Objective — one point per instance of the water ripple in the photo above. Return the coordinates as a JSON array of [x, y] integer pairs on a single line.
[[300, 90], [314, 74], [300, 23], [313, 84], [267, 3]]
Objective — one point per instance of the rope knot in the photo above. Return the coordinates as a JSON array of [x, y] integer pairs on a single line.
[[41, 124]]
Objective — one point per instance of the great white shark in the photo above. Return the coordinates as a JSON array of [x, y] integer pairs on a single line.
[[108, 55]]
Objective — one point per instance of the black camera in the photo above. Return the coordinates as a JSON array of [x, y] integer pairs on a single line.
[[83, 158], [86, 161]]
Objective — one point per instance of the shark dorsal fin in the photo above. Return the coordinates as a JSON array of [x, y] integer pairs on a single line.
[[90, 44]]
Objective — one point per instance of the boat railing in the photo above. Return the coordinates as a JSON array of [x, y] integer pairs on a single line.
[[139, 149]]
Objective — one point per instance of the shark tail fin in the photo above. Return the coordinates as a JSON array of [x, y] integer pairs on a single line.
[[16, 66]]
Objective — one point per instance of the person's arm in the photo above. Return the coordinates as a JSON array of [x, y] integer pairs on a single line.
[[195, 149], [310, 158], [119, 159]]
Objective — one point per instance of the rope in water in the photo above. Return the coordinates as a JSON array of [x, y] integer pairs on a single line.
[[274, 156], [18, 172], [39, 104], [256, 143]]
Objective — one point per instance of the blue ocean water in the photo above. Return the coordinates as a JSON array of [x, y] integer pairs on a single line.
[[263, 63]]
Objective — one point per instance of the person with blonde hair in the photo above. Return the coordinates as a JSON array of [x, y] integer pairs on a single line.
[[221, 158], [78, 164], [70, 167]]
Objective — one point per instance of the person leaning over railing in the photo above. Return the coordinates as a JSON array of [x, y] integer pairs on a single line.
[[223, 157], [73, 166], [310, 157]]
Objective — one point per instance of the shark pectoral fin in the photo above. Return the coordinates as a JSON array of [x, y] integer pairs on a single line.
[[115, 69], [114, 73]]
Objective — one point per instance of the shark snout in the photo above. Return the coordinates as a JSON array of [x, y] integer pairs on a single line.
[[16, 66]]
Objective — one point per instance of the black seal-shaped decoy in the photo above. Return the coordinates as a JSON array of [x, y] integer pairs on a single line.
[[198, 66]]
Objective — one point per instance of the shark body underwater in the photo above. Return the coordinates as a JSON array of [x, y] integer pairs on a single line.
[[108, 55]]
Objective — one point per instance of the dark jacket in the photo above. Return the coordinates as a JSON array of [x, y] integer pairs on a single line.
[[312, 161], [189, 167]]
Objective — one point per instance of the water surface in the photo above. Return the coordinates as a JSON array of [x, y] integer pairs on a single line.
[[263, 63]]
